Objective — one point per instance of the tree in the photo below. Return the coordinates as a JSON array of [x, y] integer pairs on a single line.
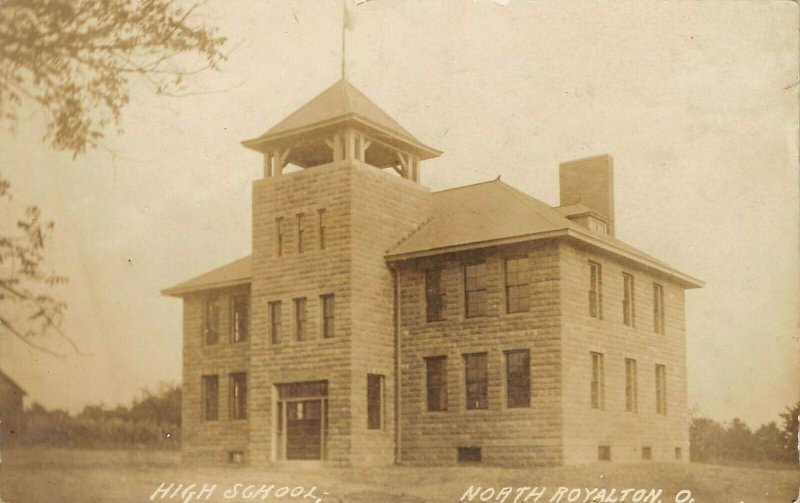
[[74, 59], [791, 440], [770, 441]]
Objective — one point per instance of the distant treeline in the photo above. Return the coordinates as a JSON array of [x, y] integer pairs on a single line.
[[152, 421], [735, 442]]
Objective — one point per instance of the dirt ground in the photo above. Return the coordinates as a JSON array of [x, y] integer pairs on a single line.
[[88, 476]]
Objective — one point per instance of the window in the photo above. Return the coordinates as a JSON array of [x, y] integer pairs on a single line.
[[240, 318], [375, 401], [279, 236], [300, 318], [517, 292], [211, 321], [628, 306], [604, 453], [476, 370], [210, 398], [597, 225], [631, 398], [678, 453], [598, 381], [275, 322], [436, 382], [238, 392], [647, 453], [434, 295], [518, 378], [327, 315], [321, 222], [469, 454], [300, 243], [658, 308], [595, 290], [475, 290], [661, 389], [235, 457]]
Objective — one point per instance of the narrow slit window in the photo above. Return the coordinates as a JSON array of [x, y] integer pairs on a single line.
[[628, 306], [598, 381], [658, 308], [300, 232], [375, 401], [300, 318], [321, 228], [595, 290], [661, 389], [279, 236], [275, 322], [238, 398], [631, 392], [327, 315]]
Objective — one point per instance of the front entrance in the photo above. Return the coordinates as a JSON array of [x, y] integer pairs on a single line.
[[301, 421]]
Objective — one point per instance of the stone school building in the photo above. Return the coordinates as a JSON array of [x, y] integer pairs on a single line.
[[377, 322]]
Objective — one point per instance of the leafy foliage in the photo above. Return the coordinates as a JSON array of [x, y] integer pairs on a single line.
[[74, 59], [25, 285], [151, 421]]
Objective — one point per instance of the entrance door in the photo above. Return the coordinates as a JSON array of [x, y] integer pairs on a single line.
[[304, 429]]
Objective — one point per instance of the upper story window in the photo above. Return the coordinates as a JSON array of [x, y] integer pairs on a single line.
[[279, 236], [598, 387], [238, 395], [275, 322], [658, 308], [518, 378], [477, 374], [300, 318], [240, 318], [434, 295], [661, 389], [597, 225], [628, 305], [436, 382], [210, 398], [595, 290], [211, 321], [375, 392], [327, 315], [517, 278], [631, 392], [475, 303], [321, 228], [300, 231]]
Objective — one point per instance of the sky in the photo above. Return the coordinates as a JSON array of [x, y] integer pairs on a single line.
[[694, 100]]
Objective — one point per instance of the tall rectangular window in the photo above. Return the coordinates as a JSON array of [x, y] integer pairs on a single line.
[[327, 315], [658, 308], [631, 391], [595, 290], [628, 305], [436, 382], [475, 290], [598, 381], [518, 378], [517, 278], [300, 318], [238, 395], [434, 295], [210, 398], [300, 230], [275, 322], [661, 389], [477, 377], [321, 228], [279, 236], [211, 321], [375, 401], [240, 318]]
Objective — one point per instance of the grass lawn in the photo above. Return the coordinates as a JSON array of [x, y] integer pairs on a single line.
[[87, 476]]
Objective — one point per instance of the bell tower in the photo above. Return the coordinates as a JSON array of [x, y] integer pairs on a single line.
[[341, 124], [340, 188]]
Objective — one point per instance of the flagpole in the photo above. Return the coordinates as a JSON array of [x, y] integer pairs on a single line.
[[344, 35]]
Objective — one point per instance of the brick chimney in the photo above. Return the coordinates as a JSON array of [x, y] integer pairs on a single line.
[[589, 182]]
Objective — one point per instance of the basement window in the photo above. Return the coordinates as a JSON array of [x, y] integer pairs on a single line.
[[604, 453], [235, 457], [469, 454], [647, 453]]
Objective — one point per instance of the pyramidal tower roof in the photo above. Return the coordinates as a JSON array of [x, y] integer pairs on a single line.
[[341, 102]]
